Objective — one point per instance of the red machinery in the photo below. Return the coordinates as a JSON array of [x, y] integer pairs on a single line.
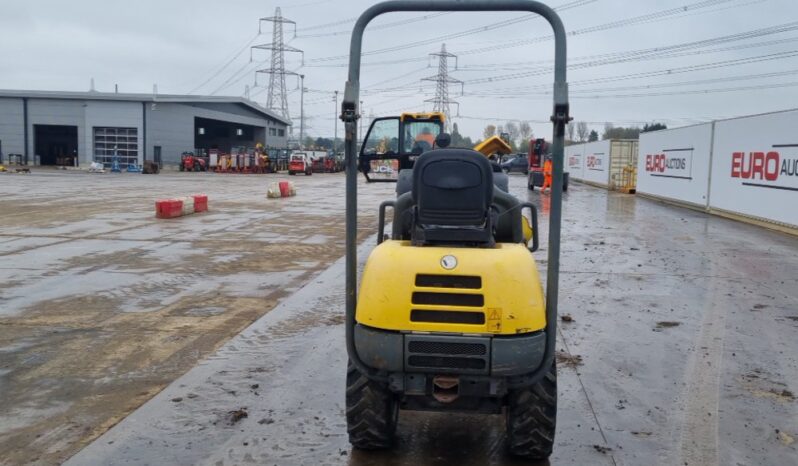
[[538, 150], [190, 162], [299, 164]]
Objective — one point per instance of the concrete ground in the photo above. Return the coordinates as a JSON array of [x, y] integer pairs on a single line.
[[102, 305], [681, 349]]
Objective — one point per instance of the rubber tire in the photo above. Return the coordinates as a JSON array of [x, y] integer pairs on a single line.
[[532, 418], [372, 412], [291, 173], [182, 168]]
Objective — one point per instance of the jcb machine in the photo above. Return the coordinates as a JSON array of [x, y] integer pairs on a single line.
[[451, 314], [394, 143]]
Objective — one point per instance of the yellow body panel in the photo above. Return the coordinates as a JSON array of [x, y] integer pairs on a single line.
[[422, 116], [510, 286], [493, 145]]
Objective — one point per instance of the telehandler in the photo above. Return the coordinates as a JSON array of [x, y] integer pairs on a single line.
[[451, 314], [394, 143]]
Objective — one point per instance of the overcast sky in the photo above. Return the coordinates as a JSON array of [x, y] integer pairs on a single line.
[[504, 58]]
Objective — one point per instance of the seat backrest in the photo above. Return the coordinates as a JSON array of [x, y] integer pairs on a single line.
[[452, 192]]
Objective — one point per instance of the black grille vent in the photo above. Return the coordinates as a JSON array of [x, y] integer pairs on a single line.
[[447, 317], [442, 347], [439, 362], [449, 281], [448, 299]]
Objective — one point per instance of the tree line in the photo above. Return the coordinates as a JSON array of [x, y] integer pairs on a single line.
[[578, 132]]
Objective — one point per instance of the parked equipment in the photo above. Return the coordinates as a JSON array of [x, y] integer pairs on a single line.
[[450, 315], [190, 162], [394, 143], [539, 150], [299, 163], [150, 168]]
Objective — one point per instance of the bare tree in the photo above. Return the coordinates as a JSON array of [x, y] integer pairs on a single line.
[[489, 131], [582, 131], [525, 130], [569, 129], [511, 129]]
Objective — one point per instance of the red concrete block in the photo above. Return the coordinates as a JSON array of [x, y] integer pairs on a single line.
[[168, 208], [200, 202], [284, 189]]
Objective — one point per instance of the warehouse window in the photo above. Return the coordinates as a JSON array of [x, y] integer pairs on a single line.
[[281, 132], [272, 131], [122, 141]]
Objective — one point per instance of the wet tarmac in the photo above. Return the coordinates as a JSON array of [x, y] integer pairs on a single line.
[[681, 342], [102, 305]]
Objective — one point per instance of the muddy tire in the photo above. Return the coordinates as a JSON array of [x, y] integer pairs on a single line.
[[371, 412], [532, 418]]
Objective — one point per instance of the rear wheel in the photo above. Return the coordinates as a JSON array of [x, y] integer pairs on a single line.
[[371, 411], [532, 418]]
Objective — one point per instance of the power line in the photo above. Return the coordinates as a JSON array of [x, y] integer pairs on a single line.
[[226, 64], [381, 26], [500, 24], [679, 70]]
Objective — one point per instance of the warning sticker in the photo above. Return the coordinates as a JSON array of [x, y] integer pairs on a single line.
[[494, 319]]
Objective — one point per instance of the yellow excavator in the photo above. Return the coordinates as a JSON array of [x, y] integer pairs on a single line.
[[450, 314]]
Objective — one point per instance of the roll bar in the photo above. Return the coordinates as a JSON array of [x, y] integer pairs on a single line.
[[560, 117]]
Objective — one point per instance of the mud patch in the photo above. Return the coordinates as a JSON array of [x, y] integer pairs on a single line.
[[569, 360], [666, 324], [759, 385]]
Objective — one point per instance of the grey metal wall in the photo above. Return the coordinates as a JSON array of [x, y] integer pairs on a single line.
[[58, 112], [171, 126], [11, 127]]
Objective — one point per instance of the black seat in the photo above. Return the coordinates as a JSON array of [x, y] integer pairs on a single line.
[[452, 192]]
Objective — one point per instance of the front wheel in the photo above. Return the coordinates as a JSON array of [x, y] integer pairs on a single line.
[[371, 411], [532, 418]]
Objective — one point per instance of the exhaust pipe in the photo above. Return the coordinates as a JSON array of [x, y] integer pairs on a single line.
[[445, 389]]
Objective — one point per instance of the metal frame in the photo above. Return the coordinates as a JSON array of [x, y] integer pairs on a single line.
[[559, 118]]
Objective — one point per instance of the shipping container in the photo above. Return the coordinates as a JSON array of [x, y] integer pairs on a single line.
[[755, 168], [674, 164], [610, 164]]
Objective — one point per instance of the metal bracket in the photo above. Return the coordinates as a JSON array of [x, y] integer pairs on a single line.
[[561, 114], [349, 114]]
